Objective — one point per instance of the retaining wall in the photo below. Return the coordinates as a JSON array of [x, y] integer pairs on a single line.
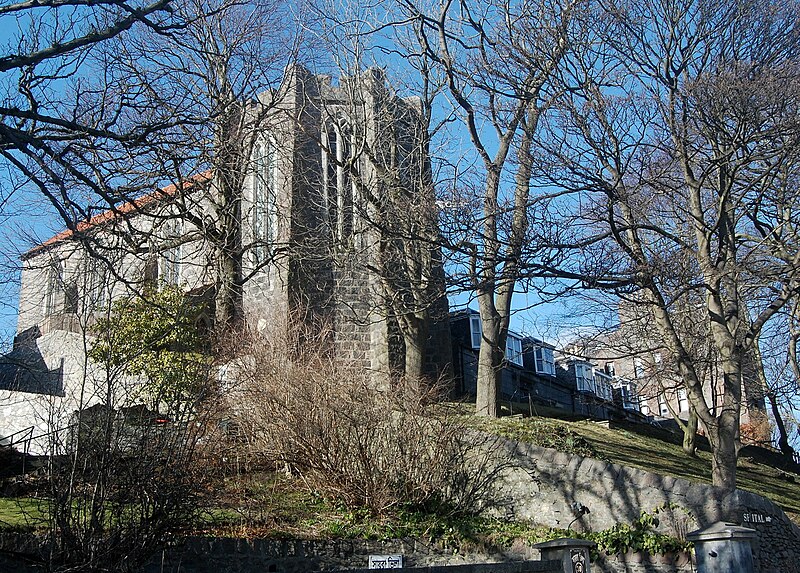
[[551, 488]]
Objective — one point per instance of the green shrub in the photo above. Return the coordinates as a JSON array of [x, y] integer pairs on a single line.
[[641, 535]]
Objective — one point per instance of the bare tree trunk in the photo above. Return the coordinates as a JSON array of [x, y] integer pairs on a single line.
[[783, 438], [690, 434], [723, 453], [228, 297], [725, 431], [489, 377], [490, 363], [415, 337]]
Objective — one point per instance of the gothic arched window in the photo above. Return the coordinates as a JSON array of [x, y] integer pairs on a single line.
[[337, 186]]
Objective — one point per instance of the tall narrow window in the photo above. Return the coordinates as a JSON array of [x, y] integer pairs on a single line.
[[54, 295], [264, 212], [70, 298], [170, 260], [329, 170], [629, 394], [638, 368], [97, 291], [683, 400], [337, 187], [662, 405]]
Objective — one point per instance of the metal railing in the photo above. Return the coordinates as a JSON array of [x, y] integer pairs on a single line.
[[24, 437]]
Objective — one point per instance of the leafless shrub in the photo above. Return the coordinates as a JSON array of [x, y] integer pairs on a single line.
[[131, 479], [348, 436]]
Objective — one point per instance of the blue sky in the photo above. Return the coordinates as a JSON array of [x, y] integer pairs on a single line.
[[25, 220]]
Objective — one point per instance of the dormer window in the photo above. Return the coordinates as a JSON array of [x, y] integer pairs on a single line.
[[602, 385], [545, 361], [584, 377], [514, 349], [629, 395], [475, 330]]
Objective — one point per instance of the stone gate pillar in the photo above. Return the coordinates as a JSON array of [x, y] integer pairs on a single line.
[[723, 548], [573, 553]]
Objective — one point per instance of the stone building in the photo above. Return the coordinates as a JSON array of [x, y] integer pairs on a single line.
[[326, 164], [634, 352]]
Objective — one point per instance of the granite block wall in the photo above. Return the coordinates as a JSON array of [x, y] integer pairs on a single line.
[[550, 488]]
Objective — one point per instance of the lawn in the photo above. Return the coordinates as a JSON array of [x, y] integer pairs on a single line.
[[21, 512]]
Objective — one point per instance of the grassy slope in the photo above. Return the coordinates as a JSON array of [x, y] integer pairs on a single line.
[[633, 445], [269, 505], [640, 447]]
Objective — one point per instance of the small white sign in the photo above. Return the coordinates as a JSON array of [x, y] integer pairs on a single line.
[[751, 518], [385, 562]]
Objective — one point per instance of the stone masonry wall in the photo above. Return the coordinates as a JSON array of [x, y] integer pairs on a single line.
[[550, 488], [225, 555]]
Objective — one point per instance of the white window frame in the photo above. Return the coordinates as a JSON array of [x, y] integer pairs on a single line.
[[475, 330], [603, 386], [545, 362], [683, 400], [630, 397], [663, 410], [514, 349]]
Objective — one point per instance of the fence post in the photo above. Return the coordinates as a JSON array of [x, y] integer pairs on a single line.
[[572, 553], [723, 548]]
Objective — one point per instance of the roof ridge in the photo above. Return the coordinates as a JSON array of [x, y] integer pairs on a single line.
[[115, 212]]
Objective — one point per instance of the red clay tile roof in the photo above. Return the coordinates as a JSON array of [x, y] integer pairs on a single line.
[[125, 208]]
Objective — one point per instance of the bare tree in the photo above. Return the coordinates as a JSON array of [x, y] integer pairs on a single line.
[[46, 120], [681, 133], [780, 372], [221, 78], [497, 61]]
